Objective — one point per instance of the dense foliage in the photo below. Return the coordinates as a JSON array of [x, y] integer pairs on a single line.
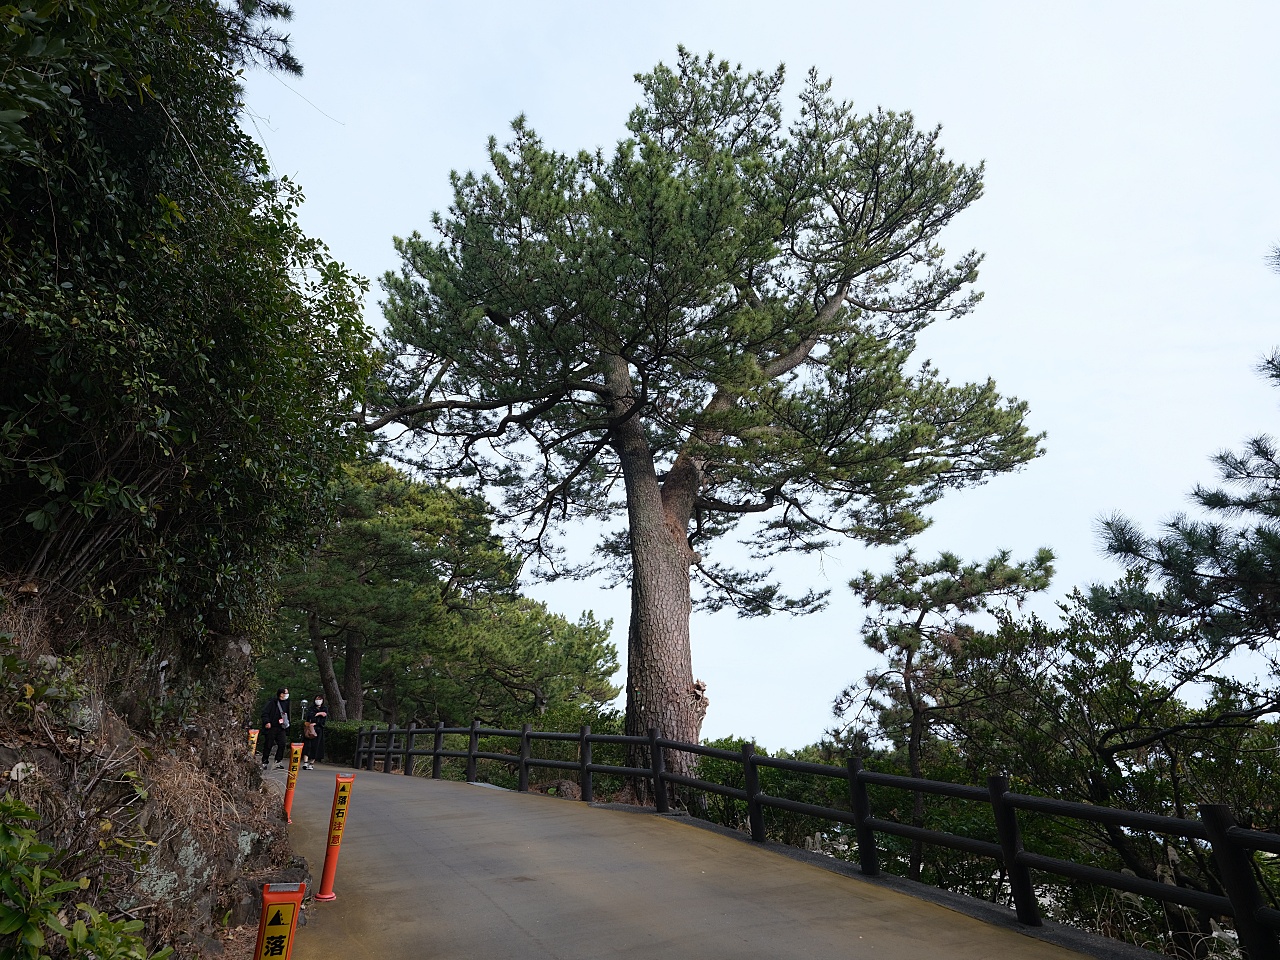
[[406, 608], [918, 622], [39, 915], [714, 322], [1158, 693], [176, 354], [174, 347]]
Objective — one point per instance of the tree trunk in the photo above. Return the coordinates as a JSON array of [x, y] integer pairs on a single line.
[[328, 678], [390, 696], [661, 690], [915, 765], [352, 684]]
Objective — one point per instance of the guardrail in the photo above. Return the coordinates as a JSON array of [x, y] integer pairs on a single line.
[[1232, 846]]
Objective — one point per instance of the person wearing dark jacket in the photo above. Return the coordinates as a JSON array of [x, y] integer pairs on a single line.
[[313, 748], [275, 726]]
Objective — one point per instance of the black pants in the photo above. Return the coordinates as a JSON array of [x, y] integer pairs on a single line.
[[313, 749], [274, 736]]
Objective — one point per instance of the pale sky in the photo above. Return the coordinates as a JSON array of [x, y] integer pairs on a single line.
[[1131, 198]]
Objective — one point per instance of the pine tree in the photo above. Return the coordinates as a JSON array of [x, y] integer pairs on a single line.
[[713, 324]]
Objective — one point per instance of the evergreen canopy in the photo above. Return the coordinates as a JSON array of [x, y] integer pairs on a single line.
[[758, 289], [715, 321]]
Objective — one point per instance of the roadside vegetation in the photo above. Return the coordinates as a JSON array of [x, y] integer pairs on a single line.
[[709, 331], [175, 352]]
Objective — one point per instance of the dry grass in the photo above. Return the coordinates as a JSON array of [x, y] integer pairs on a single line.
[[238, 943], [189, 796]]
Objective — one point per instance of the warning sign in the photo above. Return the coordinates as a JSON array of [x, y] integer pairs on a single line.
[[338, 818], [337, 821], [295, 764], [279, 930], [280, 906]]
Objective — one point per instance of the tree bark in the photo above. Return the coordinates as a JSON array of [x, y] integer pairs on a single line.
[[661, 690], [352, 684], [324, 660], [915, 750], [390, 696]]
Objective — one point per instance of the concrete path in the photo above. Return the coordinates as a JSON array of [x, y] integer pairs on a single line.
[[464, 872]]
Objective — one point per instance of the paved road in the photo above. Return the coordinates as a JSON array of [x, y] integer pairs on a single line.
[[464, 872]]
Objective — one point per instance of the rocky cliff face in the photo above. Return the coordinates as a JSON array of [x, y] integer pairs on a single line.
[[138, 766]]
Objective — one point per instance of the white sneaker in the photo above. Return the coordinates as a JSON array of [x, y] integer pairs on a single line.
[[279, 766]]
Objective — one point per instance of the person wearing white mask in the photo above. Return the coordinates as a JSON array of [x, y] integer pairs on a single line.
[[275, 724], [313, 747]]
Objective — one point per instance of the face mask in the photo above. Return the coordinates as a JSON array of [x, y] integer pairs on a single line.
[[318, 701], [285, 697]]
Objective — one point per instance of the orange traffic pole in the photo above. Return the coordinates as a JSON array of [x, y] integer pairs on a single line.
[[337, 821], [253, 740], [281, 904], [295, 761]]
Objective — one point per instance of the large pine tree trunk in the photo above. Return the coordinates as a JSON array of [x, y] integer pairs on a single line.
[[661, 691], [352, 682], [328, 678]]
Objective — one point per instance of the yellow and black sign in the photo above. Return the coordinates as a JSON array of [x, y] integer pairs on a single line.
[[338, 820], [295, 762], [280, 927], [280, 906]]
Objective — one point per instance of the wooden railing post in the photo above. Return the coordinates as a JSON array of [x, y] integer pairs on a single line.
[[472, 748], [584, 759], [391, 746], [525, 753], [1236, 870], [358, 756], [751, 780], [373, 747], [1024, 894], [409, 761], [435, 750], [860, 802], [659, 781]]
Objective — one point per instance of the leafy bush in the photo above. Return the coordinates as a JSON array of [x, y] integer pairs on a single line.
[[33, 903], [44, 682], [340, 740], [176, 347]]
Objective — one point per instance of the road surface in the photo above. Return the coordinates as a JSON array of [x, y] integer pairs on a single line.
[[438, 869]]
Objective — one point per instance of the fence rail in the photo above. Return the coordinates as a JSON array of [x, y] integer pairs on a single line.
[[1232, 846]]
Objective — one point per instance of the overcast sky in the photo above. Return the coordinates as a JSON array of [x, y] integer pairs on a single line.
[[1131, 198]]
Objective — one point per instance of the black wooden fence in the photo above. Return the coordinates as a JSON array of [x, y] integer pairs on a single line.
[[1232, 845]]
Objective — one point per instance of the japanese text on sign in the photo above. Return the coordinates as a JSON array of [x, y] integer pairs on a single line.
[[279, 928], [339, 813]]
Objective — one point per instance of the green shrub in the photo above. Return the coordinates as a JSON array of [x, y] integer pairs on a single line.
[[46, 683], [340, 740], [783, 826], [33, 905]]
